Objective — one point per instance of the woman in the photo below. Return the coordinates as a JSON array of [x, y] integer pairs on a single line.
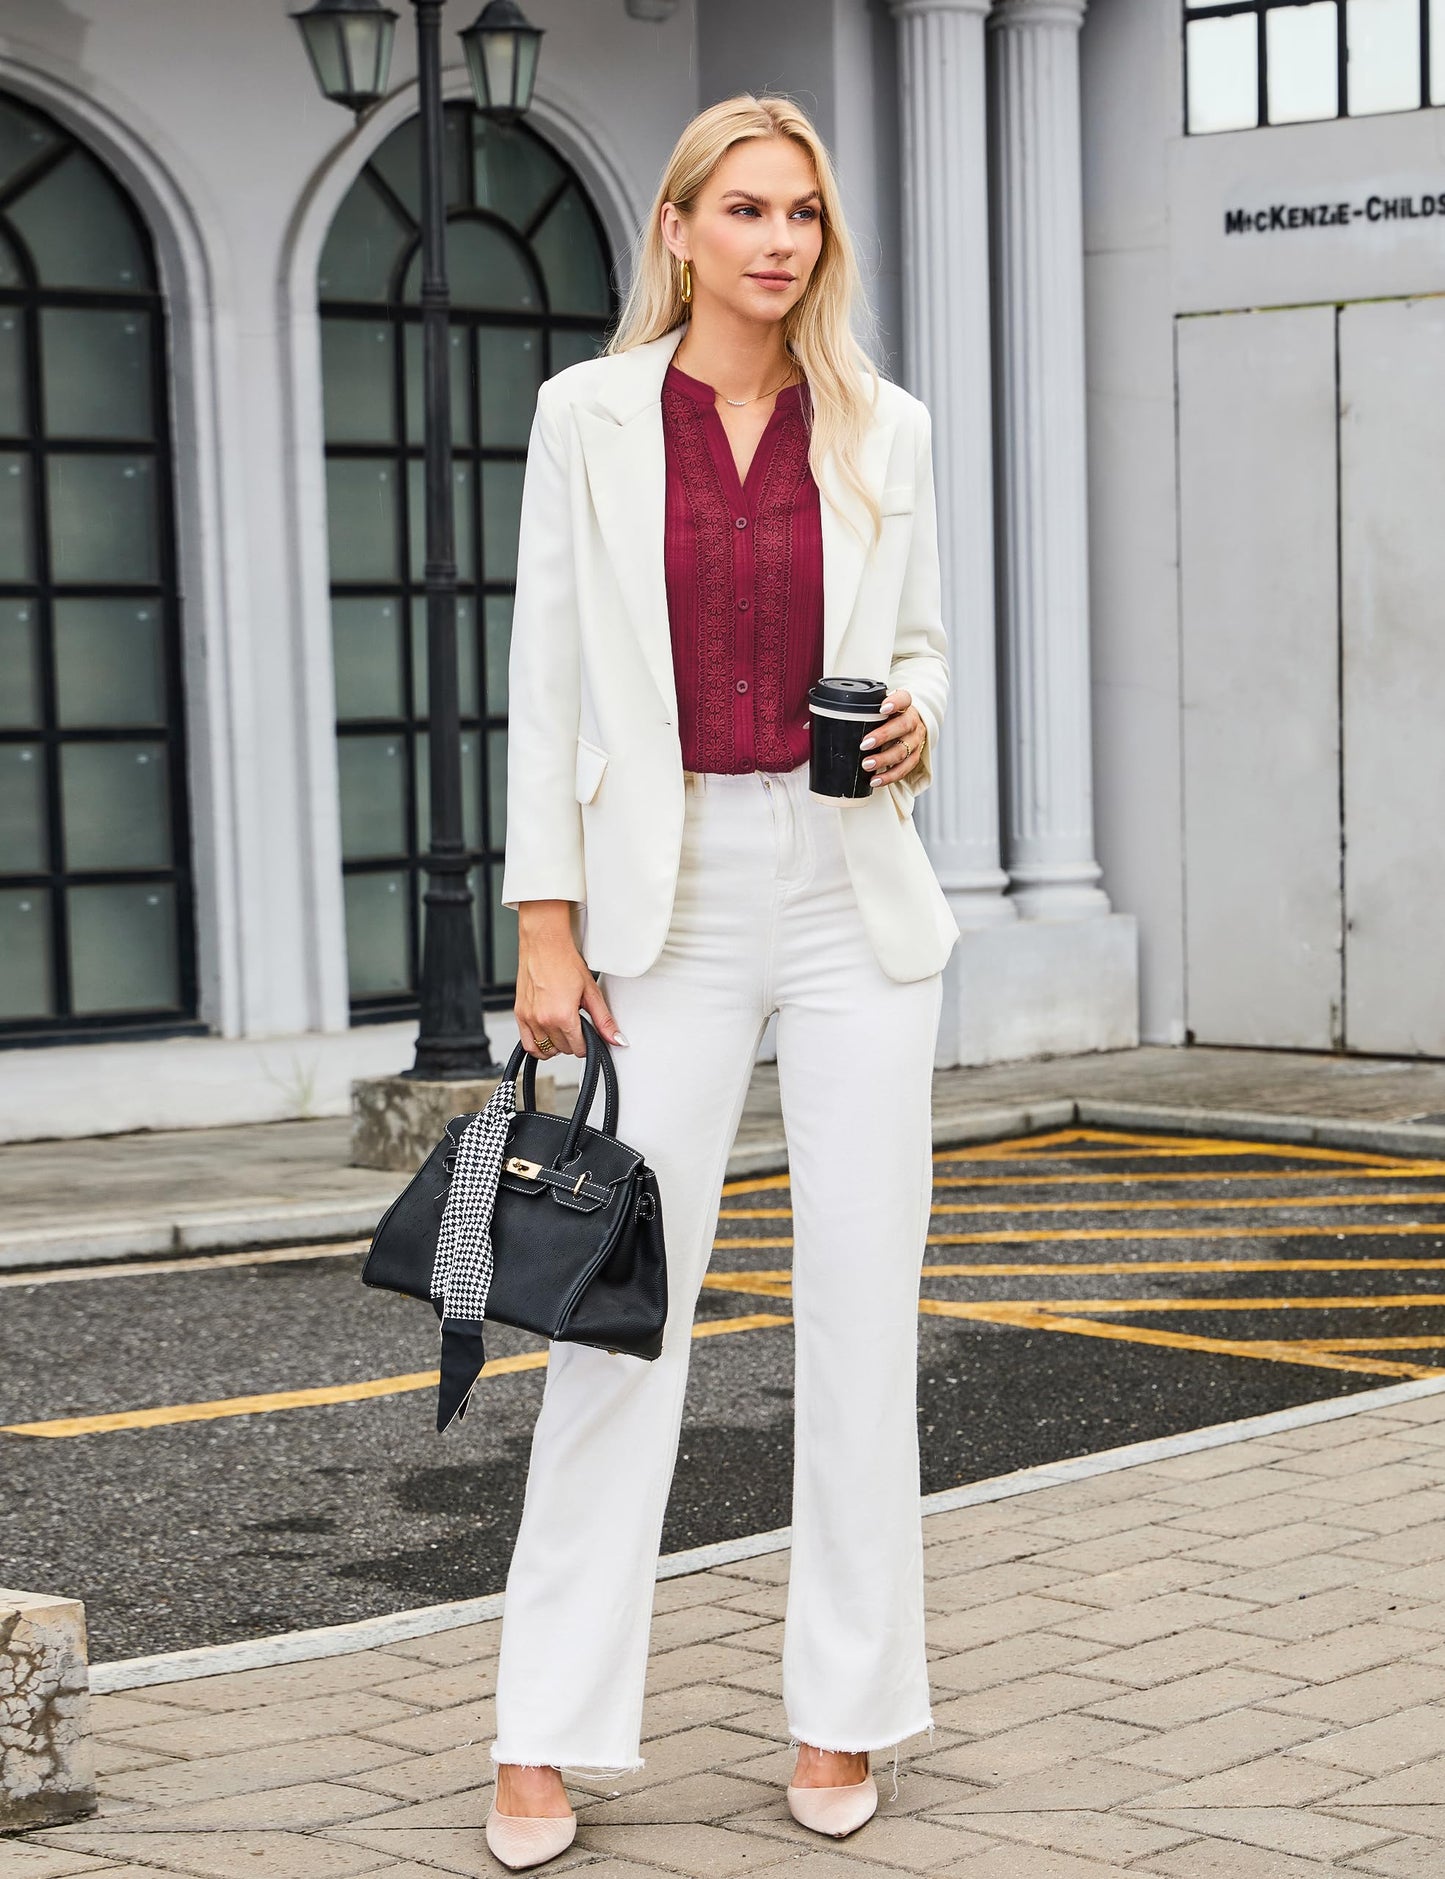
[[727, 505]]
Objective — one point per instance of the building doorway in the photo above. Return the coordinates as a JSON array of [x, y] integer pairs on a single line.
[[531, 293], [1313, 675], [96, 924]]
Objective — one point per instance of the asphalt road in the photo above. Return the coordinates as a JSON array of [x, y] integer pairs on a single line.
[[1082, 1290]]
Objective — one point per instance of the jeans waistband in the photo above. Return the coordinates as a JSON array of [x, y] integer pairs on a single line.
[[736, 780]]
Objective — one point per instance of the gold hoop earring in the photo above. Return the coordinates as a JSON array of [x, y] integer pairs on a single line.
[[686, 288]]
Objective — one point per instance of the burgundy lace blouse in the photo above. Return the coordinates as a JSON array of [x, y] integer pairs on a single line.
[[744, 567]]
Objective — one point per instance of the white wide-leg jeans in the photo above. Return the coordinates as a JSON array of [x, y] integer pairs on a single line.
[[764, 920]]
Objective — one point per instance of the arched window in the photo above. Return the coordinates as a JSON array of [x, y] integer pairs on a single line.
[[531, 293], [95, 903]]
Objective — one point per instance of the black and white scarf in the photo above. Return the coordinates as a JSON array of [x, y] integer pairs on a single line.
[[462, 1271]]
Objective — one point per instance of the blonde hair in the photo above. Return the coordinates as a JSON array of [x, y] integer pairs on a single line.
[[818, 331]]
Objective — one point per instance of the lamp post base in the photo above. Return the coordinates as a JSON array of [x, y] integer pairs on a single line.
[[397, 1121]]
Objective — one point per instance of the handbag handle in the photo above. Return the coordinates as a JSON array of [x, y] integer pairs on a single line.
[[599, 1059]]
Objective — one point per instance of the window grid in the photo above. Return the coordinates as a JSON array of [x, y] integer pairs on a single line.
[[404, 452], [1261, 9], [37, 446]]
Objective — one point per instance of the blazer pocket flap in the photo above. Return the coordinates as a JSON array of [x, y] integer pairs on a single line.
[[896, 499], [591, 762]]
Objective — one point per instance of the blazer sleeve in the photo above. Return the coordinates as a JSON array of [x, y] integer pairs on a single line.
[[543, 855], [920, 656]]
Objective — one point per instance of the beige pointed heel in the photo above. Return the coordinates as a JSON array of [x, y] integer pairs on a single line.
[[520, 1840], [834, 1811]]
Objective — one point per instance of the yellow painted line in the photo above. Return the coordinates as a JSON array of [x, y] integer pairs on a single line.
[[1164, 1148], [1370, 1343], [1164, 1203], [194, 1262], [1268, 1350], [326, 1394], [1422, 1170], [1405, 1301], [780, 1279], [1039, 1236]]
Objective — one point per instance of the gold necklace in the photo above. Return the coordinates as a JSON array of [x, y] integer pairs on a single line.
[[748, 401]]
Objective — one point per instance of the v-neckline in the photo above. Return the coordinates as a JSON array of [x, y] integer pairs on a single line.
[[705, 396]]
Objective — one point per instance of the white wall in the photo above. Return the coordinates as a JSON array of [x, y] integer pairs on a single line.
[[1156, 247], [208, 110]]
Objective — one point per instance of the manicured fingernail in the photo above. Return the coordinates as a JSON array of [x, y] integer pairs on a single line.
[[618, 1038], [867, 743], [870, 763]]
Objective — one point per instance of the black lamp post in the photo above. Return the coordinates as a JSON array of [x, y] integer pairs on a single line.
[[349, 42]]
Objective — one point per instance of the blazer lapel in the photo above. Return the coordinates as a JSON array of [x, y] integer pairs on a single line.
[[620, 429]]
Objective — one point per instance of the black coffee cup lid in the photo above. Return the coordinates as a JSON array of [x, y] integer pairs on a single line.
[[864, 696]]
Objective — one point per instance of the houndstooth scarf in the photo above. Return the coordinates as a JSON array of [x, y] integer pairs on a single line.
[[462, 1270]]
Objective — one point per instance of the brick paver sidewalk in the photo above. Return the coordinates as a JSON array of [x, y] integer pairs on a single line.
[[1228, 1663]]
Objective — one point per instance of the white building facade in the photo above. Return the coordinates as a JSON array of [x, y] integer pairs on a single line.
[[1192, 588]]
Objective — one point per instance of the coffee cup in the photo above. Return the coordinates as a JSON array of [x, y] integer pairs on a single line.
[[841, 712]]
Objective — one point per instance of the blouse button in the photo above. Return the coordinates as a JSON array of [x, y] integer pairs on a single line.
[[741, 522], [743, 603], [742, 685]]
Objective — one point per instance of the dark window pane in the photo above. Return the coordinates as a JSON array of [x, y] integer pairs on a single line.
[[463, 520], [115, 806], [97, 370], [23, 138], [78, 229], [13, 420], [569, 345], [123, 948], [501, 518], [366, 242], [10, 271], [399, 161], [471, 790], [367, 655], [373, 796], [362, 521], [109, 662], [486, 270], [497, 785], [356, 380], [377, 917], [19, 664], [22, 809], [515, 172], [511, 371], [504, 933], [573, 264], [26, 990], [499, 646], [17, 540], [103, 518], [460, 361], [466, 656]]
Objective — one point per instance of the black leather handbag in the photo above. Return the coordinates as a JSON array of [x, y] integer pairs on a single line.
[[576, 1231]]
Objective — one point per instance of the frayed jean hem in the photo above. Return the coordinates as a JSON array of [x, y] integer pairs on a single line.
[[587, 1770]]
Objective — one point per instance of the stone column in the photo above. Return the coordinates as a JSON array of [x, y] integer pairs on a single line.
[[946, 363], [1043, 517]]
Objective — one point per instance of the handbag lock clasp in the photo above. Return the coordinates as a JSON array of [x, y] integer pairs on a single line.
[[516, 1164]]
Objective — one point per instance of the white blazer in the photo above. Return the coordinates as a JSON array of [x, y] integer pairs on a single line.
[[595, 788]]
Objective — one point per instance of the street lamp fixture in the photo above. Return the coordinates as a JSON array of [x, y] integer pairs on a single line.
[[501, 49], [349, 43]]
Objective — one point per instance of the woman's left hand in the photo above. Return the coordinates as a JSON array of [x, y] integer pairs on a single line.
[[885, 754]]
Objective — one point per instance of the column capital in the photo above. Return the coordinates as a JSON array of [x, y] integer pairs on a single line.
[[903, 9], [1066, 13]]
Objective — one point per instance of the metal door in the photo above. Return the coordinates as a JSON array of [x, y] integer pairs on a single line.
[[1392, 558], [1260, 677]]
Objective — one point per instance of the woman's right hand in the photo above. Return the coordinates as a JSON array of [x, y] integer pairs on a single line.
[[554, 985]]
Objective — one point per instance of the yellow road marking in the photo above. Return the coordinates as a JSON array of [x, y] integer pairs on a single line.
[[193, 1262], [329, 1393], [1163, 1204], [1093, 1269], [1369, 1343], [1122, 1146], [1267, 1349], [1037, 1236], [1351, 1302]]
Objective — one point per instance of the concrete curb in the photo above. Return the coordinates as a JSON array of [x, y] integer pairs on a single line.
[[310, 1223], [299, 1647]]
